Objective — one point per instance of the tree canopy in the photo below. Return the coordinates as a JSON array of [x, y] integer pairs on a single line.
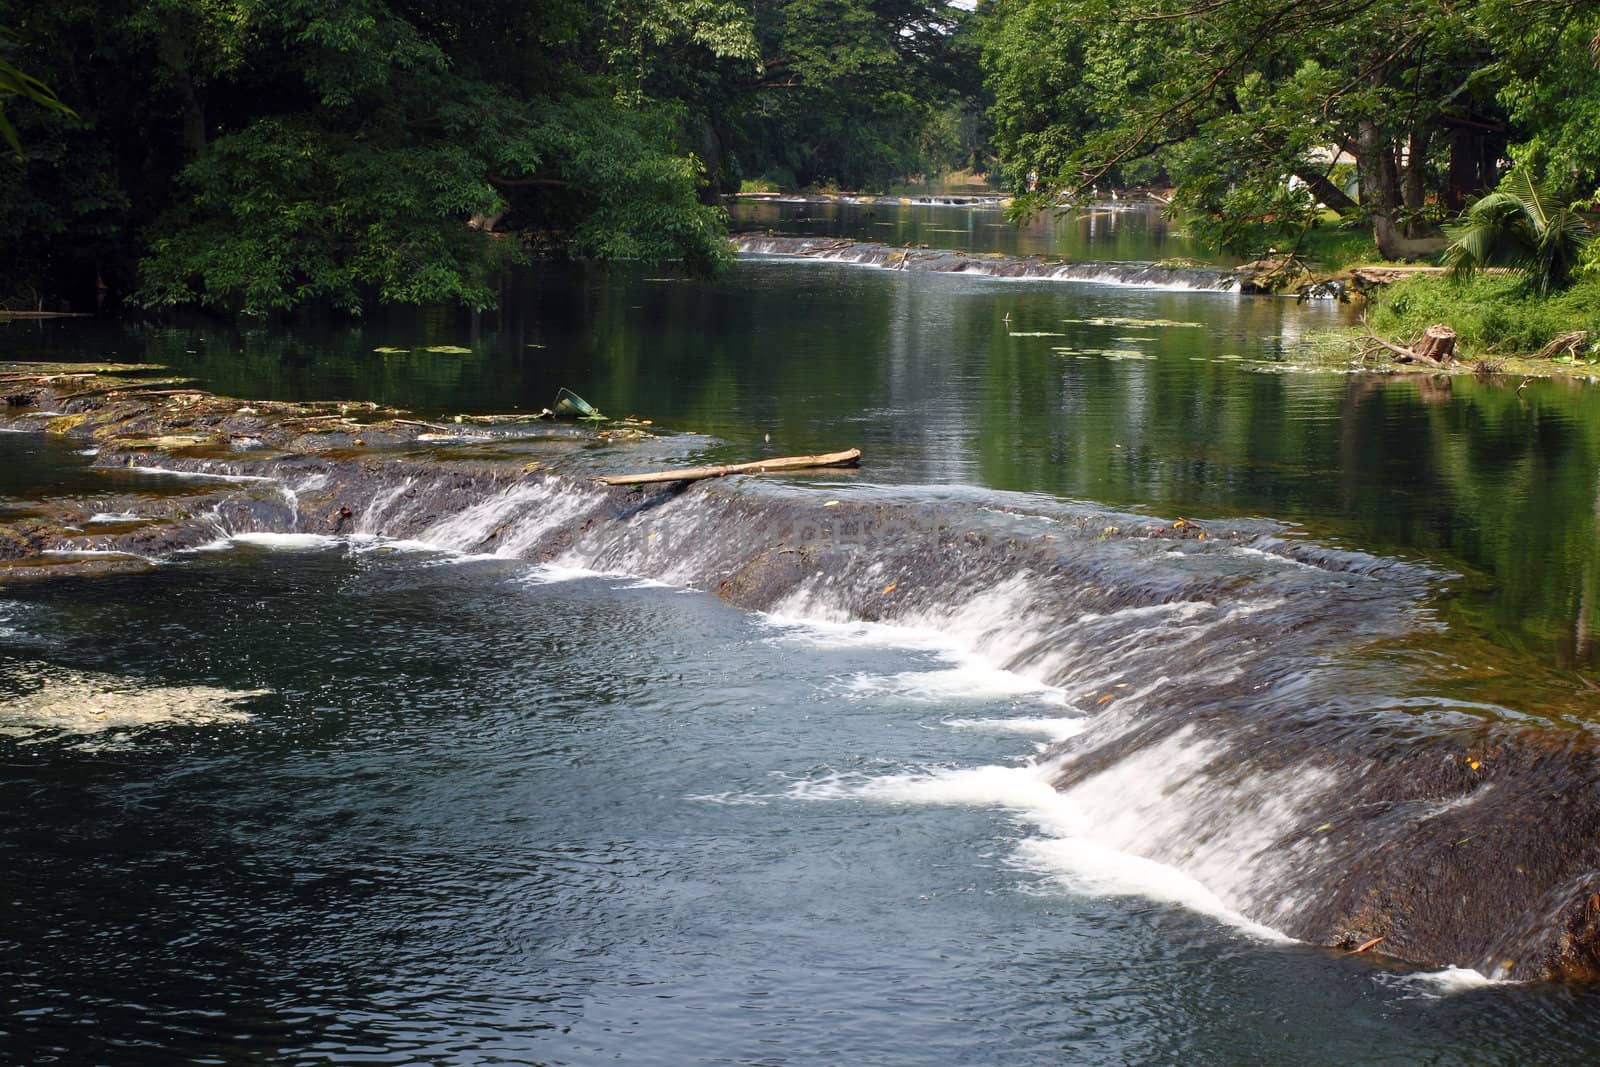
[[1255, 110], [254, 155]]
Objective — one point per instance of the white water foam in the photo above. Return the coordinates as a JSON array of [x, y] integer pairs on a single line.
[[201, 475], [1067, 848], [972, 680], [58, 701], [1052, 728], [1450, 981], [515, 519], [286, 542], [972, 676]]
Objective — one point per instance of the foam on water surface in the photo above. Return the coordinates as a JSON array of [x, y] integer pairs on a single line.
[[286, 542], [41, 701]]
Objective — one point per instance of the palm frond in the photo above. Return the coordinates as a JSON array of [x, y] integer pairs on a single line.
[[1515, 228]]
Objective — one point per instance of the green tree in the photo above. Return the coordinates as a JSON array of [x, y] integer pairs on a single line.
[[1233, 98], [254, 156], [846, 90]]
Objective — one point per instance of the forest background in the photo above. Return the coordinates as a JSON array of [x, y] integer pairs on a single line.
[[252, 157]]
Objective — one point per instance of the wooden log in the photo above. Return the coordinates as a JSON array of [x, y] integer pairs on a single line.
[[848, 458]]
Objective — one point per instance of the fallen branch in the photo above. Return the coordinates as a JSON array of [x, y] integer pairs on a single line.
[[130, 387], [1368, 944], [500, 420], [1434, 347], [832, 246], [1567, 344], [849, 458]]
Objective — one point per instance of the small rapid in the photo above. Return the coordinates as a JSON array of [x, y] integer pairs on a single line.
[[887, 257]]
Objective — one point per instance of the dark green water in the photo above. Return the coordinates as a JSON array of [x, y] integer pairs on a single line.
[[1182, 403], [1103, 231], [475, 815]]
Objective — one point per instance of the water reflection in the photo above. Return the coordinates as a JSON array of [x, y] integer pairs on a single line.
[[1101, 231], [1181, 403]]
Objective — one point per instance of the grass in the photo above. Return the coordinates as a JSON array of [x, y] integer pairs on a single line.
[[1333, 245], [1493, 315]]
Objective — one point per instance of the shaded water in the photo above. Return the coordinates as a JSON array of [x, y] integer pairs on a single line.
[[480, 814], [1101, 231]]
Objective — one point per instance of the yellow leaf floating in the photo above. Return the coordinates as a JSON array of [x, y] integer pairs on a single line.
[[831, 504], [1474, 764], [1105, 698], [891, 587], [449, 350]]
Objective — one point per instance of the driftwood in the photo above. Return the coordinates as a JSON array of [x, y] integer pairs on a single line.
[[831, 246], [498, 420], [1436, 347], [1565, 345], [849, 458]]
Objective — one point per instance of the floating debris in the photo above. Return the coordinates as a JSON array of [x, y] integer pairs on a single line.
[[56, 701], [1132, 323], [570, 405]]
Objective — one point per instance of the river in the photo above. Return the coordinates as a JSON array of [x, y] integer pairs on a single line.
[[400, 799]]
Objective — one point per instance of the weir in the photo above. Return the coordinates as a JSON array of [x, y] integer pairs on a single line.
[[1251, 709], [941, 261]]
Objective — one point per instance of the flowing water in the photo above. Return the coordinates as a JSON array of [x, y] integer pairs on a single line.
[[463, 789]]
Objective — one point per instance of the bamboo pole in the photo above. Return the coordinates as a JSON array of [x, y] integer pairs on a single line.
[[848, 458]]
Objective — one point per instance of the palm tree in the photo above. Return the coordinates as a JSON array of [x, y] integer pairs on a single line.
[[14, 82], [1514, 227]]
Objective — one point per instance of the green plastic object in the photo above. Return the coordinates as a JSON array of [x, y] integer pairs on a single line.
[[572, 406]]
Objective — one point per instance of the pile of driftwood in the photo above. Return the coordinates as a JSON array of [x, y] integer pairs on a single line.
[[1435, 348]]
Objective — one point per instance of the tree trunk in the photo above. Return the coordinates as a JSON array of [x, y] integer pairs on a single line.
[[1324, 190], [1391, 245], [175, 57], [1438, 345], [194, 124], [1413, 183], [1380, 178]]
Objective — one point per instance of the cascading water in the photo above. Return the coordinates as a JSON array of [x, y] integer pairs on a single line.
[[1244, 708], [1220, 710], [887, 257]]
